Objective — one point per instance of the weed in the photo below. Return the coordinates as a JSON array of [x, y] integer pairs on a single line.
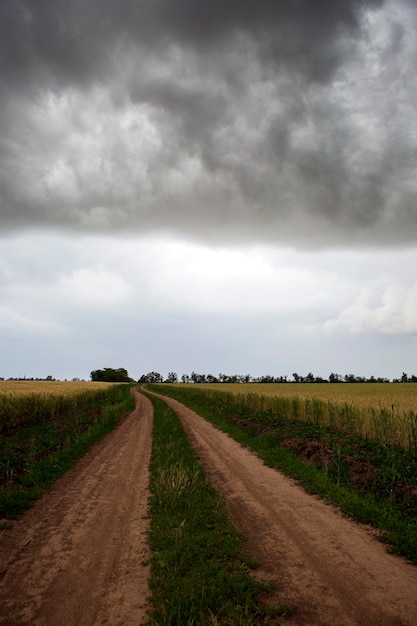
[[199, 574]]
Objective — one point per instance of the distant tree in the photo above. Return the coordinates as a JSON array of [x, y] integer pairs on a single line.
[[297, 378], [335, 378], [110, 375], [185, 378], [198, 378], [172, 378], [151, 377], [266, 378]]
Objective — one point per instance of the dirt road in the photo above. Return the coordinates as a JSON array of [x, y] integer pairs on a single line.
[[76, 558], [330, 570]]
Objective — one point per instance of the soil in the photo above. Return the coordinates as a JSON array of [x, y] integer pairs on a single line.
[[78, 556], [328, 569]]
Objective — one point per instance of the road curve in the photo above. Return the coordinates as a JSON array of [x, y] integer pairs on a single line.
[[327, 568], [77, 557]]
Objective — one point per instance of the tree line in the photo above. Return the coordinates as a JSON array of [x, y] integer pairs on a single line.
[[194, 377]]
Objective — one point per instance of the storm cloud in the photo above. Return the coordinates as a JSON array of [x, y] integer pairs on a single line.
[[283, 122]]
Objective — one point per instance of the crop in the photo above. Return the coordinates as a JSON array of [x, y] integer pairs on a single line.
[[43, 434], [369, 479], [54, 387], [383, 412]]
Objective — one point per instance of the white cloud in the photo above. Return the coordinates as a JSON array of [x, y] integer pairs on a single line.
[[392, 312]]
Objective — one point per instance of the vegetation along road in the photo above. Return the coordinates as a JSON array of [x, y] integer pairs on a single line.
[[78, 556]]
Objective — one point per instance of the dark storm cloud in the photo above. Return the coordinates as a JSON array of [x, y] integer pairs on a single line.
[[270, 120], [73, 40]]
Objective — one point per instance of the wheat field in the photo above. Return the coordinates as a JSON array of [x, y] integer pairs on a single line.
[[383, 411], [47, 387]]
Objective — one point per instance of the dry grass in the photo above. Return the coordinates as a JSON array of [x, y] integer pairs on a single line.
[[46, 387]]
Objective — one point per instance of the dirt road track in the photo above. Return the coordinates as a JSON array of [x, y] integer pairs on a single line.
[[329, 569], [76, 558]]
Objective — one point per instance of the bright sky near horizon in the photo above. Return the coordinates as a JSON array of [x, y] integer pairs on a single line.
[[210, 186]]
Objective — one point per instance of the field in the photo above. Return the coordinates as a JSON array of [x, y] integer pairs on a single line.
[[361, 457], [402, 397], [386, 412], [198, 573], [46, 426], [24, 387]]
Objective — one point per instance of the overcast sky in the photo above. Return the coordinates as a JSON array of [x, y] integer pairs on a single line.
[[211, 186]]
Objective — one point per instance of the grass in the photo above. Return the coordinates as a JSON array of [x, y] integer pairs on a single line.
[[199, 573], [371, 481], [42, 436]]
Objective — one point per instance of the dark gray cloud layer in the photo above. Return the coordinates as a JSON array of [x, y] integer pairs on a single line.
[[286, 121]]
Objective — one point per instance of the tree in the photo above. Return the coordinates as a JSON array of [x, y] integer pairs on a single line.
[[110, 375], [335, 378], [151, 377], [172, 377]]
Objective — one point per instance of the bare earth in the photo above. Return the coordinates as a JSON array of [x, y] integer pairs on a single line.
[[77, 557], [330, 570]]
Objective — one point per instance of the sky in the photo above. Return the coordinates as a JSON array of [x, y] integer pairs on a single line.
[[219, 187]]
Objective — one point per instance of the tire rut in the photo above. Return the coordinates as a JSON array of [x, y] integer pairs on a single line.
[[327, 568]]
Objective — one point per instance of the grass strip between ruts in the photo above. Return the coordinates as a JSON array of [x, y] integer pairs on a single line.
[[398, 531], [199, 573]]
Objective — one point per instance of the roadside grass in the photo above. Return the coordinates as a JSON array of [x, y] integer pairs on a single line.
[[199, 572], [372, 482], [41, 437]]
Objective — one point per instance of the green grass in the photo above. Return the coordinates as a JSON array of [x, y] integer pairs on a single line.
[[370, 481], [38, 446], [199, 573]]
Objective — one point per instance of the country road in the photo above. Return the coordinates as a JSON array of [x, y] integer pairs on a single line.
[[78, 557], [330, 570]]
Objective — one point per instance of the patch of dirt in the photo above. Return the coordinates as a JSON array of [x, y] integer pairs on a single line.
[[327, 568], [313, 452], [78, 557]]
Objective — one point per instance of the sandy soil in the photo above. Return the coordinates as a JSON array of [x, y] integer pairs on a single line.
[[329, 569], [77, 557]]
